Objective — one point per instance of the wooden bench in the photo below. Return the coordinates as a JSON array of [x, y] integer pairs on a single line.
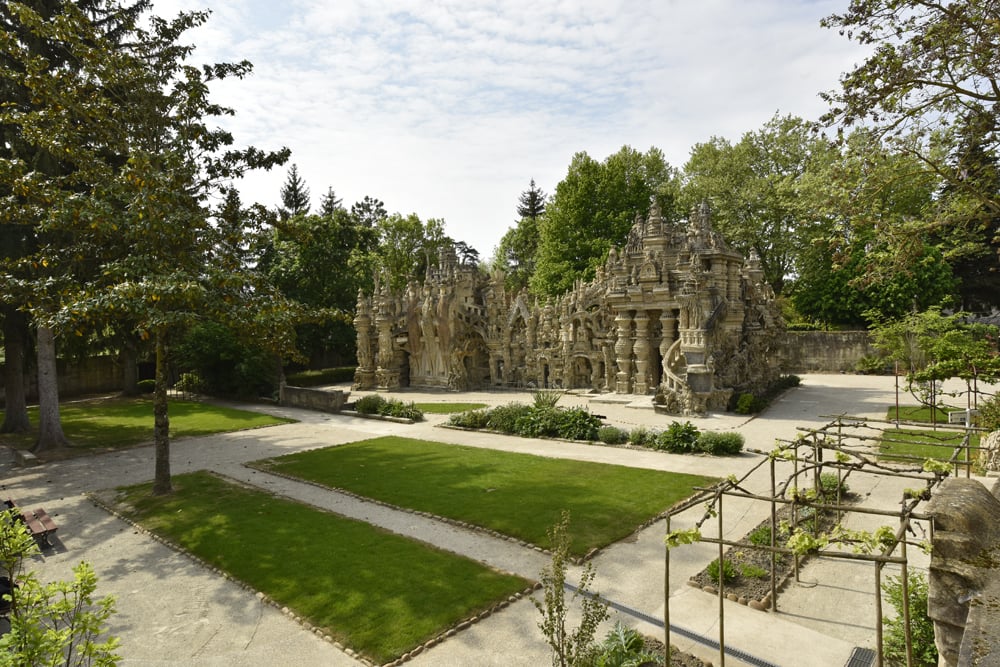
[[39, 523]]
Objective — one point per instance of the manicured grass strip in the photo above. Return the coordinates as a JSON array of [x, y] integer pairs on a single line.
[[514, 494], [374, 591], [123, 422], [448, 408], [898, 444], [918, 413]]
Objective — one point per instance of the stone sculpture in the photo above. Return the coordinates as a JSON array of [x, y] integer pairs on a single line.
[[676, 314]]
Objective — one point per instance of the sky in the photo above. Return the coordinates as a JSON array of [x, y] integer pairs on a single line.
[[447, 109]]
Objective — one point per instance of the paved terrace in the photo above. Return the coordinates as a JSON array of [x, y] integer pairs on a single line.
[[173, 611]]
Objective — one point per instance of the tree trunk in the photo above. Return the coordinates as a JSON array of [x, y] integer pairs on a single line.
[[130, 369], [50, 433], [161, 421], [15, 341]]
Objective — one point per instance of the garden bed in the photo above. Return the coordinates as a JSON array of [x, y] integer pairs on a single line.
[[748, 568]]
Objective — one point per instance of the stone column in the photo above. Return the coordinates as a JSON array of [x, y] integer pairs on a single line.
[[667, 321], [623, 353], [364, 375], [641, 349]]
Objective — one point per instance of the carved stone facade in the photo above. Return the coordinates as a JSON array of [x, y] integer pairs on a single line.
[[676, 313]]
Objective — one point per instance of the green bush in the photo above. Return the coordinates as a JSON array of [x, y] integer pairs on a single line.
[[728, 571], [921, 627], [476, 419], [753, 571], [829, 483], [228, 363], [747, 404], [538, 422], [146, 386], [760, 536], [546, 398], [369, 405], [721, 444], [612, 435], [872, 365], [190, 383], [623, 647], [395, 408], [678, 438], [642, 437], [577, 424], [504, 418], [989, 413]]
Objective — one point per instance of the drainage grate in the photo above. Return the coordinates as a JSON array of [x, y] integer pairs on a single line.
[[693, 636], [861, 657]]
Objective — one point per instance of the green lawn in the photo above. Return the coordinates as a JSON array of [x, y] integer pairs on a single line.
[[123, 422], [918, 413], [379, 593], [448, 408], [514, 494], [898, 444], [901, 444]]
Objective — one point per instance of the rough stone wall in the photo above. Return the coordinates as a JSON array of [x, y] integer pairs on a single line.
[[964, 583], [87, 376], [675, 313], [324, 400], [824, 351]]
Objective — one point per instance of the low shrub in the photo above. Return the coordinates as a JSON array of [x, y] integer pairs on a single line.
[[369, 405], [872, 365], [612, 435], [727, 443], [577, 424], [830, 483], [471, 419], [504, 418], [191, 383], [747, 404], [623, 647], [394, 408], [678, 438], [374, 404], [538, 422], [989, 413], [921, 626], [728, 571], [760, 536], [642, 437], [753, 571], [146, 386], [546, 398]]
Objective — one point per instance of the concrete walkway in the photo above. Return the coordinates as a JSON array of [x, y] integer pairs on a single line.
[[172, 611]]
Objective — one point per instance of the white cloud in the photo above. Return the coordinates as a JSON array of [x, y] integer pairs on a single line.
[[447, 109]]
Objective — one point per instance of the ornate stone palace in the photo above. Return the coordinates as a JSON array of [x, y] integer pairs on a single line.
[[676, 313]]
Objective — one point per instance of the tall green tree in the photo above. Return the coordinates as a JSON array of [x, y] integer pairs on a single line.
[[135, 240], [518, 248], [866, 258], [48, 100], [406, 248], [330, 203], [753, 189], [931, 63], [369, 212], [967, 230], [593, 209], [294, 195]]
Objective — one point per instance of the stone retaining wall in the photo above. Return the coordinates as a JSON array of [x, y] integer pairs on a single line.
[[823, 351], [324, 400]]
